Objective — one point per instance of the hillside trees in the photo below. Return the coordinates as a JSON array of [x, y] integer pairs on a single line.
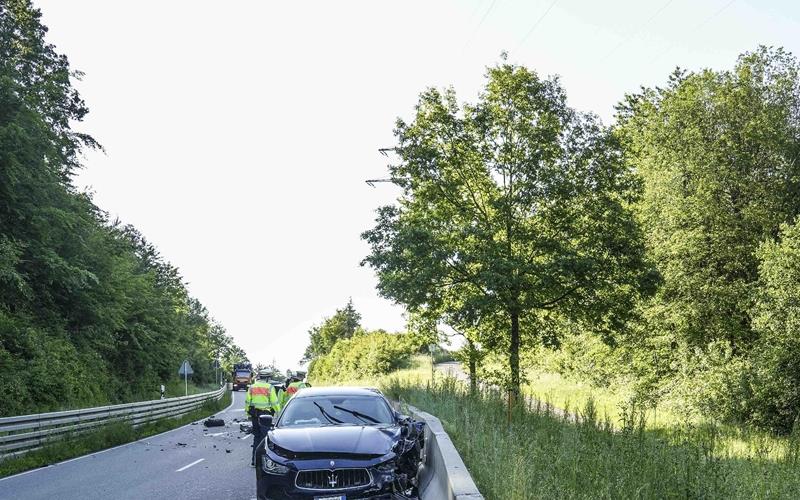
[[518, 199], [90, 313], [719, 156]]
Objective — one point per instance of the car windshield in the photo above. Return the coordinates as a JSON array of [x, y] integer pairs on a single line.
[[336, 410], [243, 373]]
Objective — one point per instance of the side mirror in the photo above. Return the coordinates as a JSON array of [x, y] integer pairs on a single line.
[[265, 421]]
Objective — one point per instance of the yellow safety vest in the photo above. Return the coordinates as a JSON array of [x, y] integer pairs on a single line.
[[261, 396]]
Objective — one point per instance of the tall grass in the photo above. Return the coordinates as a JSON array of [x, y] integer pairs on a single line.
[[585, 453], [540, 454], [616, 402], [113, 434]]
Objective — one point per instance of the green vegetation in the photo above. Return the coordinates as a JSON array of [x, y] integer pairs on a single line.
[[515, 212], [542, 455], [341, 349], [657, 257], [90, 313], [366, 354], [108, 436]]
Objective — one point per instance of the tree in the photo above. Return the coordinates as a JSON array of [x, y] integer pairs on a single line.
[[343, 324], [718, 153], [773, 381], [517, 199], [82, 297]]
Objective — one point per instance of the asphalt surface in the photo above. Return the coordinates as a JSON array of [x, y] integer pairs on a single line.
[[189, 462]]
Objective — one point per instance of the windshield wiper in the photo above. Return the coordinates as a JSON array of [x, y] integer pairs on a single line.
[[325, 414], [362, 416]]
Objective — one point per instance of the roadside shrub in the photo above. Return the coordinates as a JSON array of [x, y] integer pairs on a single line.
[[365, 354]]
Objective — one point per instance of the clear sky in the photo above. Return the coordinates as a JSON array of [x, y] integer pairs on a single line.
[[239, 134]]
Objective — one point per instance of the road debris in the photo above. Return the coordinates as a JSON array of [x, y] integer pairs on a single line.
[[214, 422]]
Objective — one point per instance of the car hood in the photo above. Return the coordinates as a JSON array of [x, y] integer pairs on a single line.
[[335, 439]]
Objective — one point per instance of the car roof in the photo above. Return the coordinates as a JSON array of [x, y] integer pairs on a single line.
[[337, 391]]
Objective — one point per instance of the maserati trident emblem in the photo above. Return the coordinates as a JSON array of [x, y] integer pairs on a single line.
[[332, 480]]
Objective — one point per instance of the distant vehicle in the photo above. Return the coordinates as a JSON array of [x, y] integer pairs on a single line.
[[339, 443], [276, 380], [242, 373]]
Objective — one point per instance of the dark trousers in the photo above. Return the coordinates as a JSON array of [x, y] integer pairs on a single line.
[[257, 435]]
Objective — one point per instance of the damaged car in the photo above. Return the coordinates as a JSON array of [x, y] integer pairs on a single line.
[[339, 443]]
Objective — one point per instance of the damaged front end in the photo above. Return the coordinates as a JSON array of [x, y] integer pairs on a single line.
[[391, 474], [403, 470]]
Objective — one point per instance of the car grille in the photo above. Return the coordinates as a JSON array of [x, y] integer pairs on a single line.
[[339, 479]]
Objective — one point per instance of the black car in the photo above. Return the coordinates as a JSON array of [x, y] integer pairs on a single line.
[[339, 443]]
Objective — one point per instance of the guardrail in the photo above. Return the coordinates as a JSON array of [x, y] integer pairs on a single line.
[[443, 474], [19, 435]]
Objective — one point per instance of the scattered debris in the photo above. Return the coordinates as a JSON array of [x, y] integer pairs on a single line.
[[246, 427], [214, 422], [227, 450], [181, 444]]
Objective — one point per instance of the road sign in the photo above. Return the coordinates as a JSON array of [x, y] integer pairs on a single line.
[[185, 369]]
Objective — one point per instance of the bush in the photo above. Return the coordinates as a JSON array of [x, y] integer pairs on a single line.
[[366, 354]]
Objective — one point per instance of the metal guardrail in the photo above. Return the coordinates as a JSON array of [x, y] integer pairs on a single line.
[[24, 433]]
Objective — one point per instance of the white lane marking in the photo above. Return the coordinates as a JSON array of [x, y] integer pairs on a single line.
[[245, 436], [238, 409], [187, 466], [216, 434], [107, 449]]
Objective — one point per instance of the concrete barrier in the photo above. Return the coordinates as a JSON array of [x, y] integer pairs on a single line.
[[443, 474]]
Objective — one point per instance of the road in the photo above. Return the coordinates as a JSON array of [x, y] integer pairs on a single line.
[[188, 462], [452, 369]]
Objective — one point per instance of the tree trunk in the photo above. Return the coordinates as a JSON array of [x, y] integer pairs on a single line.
[[473, 367], [513, 358]]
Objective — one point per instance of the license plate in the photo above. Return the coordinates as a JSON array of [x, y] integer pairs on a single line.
[[335, 497]]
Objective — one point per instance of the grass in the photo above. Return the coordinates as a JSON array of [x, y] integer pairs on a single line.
[[540, 454], [108, 436], [614, 404]]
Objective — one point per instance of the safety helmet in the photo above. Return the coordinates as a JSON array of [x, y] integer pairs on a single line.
[[264, 374]]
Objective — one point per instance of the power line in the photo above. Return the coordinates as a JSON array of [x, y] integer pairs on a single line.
[[638, 30], [535, 25], [480, 23]]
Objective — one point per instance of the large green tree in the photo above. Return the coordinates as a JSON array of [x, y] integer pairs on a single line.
[[719, 155], [90, 313], [516, 198]]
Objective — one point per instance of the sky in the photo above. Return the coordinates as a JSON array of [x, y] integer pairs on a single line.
[[238, 135]]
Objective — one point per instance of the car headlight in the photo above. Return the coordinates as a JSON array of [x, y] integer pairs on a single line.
[[271, 467]]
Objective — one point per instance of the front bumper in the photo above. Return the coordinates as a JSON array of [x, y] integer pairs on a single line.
[[284, 487]]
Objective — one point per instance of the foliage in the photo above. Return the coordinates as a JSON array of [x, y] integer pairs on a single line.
[[516, 204], [718, 155], [365, 354], [90, 313], [773, 378], [341, 325]]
